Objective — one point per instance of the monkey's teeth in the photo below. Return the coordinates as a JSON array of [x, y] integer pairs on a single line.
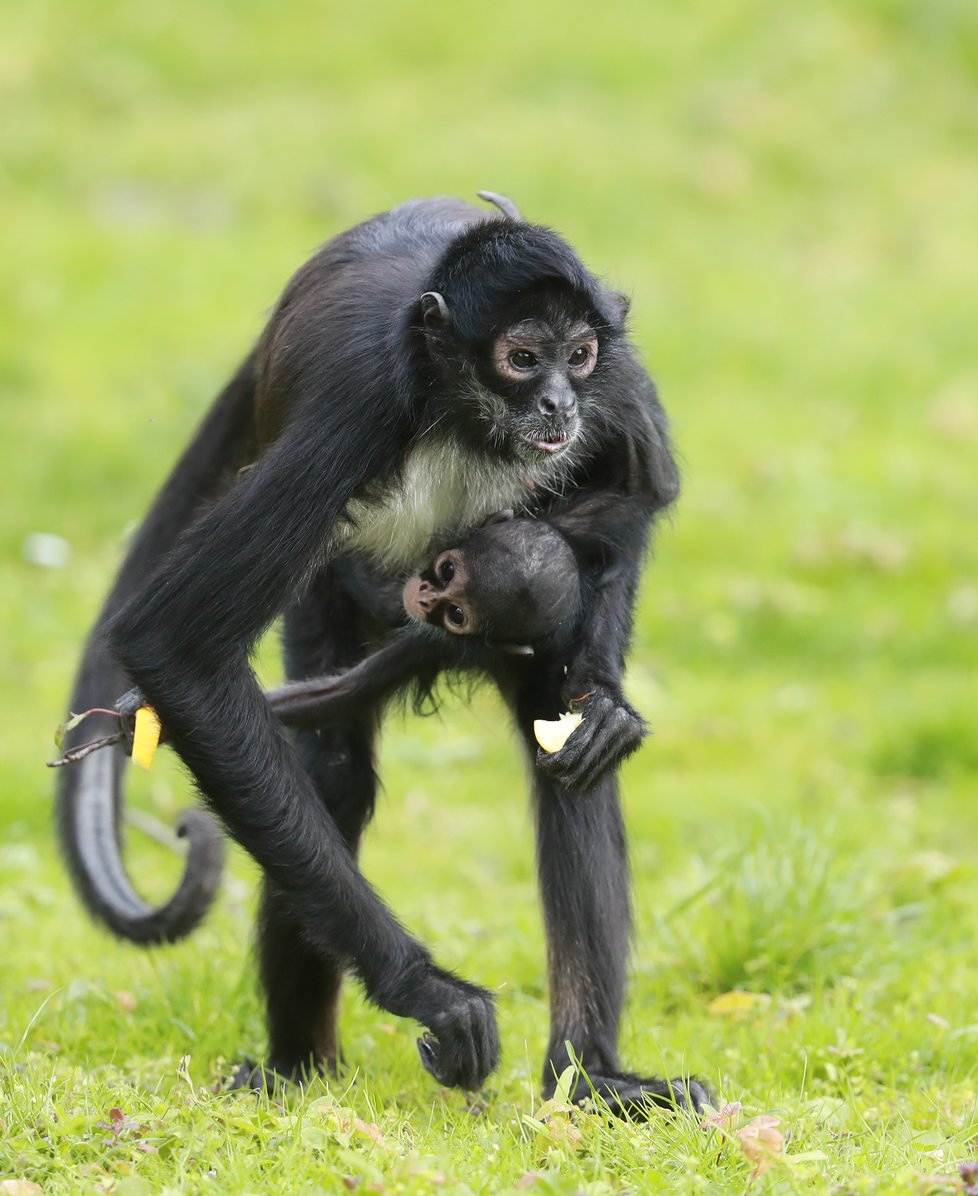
[[552, 736]]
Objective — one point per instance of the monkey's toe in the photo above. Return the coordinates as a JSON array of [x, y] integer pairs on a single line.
[[637, 1097]]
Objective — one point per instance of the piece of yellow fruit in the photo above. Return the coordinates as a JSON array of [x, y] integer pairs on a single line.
[[145, 736], [552, 736]]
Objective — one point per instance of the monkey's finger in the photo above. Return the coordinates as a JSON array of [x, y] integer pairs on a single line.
[[609, 748], [437, 1059], [458, 1065], [616, 722], [488, 1048], [449, 1056], [599, 710], [471, 1073], [428, 1052], [615, 734], [457, 1058], [468, 1047], [479, 1051], [616, 741], [581, 743]]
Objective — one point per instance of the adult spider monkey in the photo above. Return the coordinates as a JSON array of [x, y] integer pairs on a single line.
[[426, 368]]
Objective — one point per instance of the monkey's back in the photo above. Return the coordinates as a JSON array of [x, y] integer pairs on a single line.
[[349, 307]]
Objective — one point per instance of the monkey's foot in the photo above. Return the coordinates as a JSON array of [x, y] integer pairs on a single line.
[[270, 1077], [637, 1097]]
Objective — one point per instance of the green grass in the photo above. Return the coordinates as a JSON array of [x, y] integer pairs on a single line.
[[789, 193]]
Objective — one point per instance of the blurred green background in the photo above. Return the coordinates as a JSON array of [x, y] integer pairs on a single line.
[[790, 194]]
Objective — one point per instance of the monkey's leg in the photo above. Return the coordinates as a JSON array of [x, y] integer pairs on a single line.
[[301, 986], [584, 886]]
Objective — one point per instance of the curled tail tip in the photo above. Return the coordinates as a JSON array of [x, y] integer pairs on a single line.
[[194, 896], [88, 800]]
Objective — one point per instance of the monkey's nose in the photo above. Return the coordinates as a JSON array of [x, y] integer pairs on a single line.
[[557, 402]]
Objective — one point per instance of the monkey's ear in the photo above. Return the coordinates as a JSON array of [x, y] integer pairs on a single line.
[[623, 304], [499, 517], [514, 649], [434, 310]]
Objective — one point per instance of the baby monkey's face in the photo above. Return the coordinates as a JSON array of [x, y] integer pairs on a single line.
[[513, 581], [439, 595]]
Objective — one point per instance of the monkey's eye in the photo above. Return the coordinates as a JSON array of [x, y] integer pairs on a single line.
[[446, 571], [579, 357], [456, 616], [522, 359]]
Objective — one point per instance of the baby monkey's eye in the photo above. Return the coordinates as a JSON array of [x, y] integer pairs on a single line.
[[580, 356], [456, 616], [446, 571], [522, 359]]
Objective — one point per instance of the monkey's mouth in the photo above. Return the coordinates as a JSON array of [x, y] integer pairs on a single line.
[[551, 444]]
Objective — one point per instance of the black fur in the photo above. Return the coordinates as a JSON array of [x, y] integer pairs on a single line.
[[347, 382], [532, 582]]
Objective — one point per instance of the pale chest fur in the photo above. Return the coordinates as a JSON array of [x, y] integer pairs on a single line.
[[443, 489]]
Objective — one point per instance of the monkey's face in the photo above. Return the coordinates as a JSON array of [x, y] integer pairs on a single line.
[[523, 381], [538, 366], [439, 595]]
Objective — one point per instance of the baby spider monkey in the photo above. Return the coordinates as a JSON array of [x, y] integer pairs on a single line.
[[511, 590]]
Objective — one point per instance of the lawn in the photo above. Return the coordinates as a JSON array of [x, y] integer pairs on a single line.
[[790, 195]]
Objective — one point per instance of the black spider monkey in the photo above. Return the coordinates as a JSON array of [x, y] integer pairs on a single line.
[[426, 368]]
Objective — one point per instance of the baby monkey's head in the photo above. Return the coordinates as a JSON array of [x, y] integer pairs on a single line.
[[515, 582]]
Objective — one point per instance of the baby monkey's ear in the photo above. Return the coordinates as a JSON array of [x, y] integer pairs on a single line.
[[499, 517]]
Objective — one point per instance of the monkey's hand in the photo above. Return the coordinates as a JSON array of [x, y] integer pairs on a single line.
[[462, 1047], [612, 729]]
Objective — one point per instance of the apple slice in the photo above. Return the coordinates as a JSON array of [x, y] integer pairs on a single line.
[[552, 736]]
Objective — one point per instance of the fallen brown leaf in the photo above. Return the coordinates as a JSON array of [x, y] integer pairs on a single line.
[[762, 1142]]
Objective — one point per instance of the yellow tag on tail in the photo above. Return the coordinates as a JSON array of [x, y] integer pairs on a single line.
[[146, 737]]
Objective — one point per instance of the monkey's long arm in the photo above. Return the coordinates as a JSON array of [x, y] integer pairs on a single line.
[[612, 729], [414, 654], [186, 642]]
